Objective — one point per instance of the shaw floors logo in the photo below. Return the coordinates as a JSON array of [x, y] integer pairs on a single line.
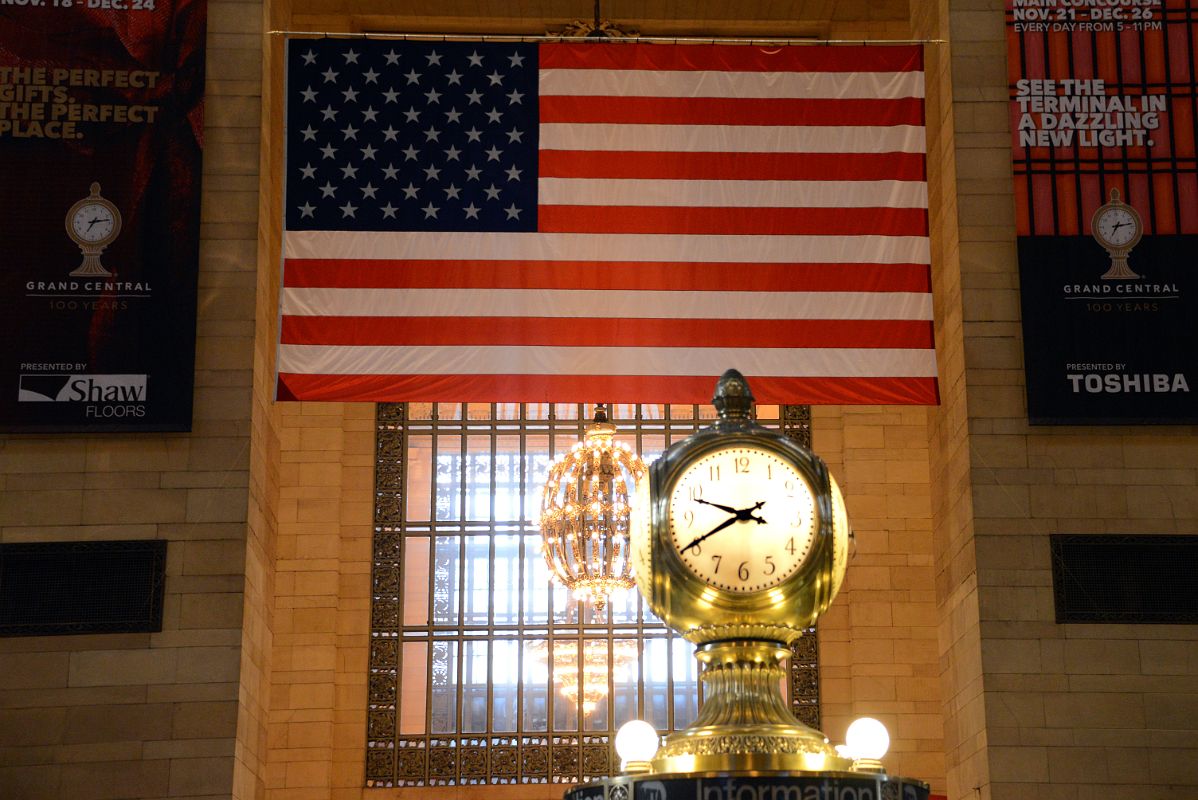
[[103, 395]]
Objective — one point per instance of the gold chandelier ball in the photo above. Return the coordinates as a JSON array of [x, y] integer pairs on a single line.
[[585, 514]]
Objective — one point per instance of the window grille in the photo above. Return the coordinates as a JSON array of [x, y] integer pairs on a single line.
[[473, 652]]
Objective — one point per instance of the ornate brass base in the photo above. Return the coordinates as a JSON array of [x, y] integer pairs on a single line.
[[744, 725]]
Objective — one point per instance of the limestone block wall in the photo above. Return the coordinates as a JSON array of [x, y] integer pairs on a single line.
[[1067, 710], [878, 641], [153, 715]]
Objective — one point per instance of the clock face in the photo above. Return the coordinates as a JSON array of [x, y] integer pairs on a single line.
[[93, 222], [1116, 226], [742, 518]]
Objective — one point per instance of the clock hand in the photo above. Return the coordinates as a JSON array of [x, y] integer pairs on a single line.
[[742, 515], [714, 530], [729, 509]]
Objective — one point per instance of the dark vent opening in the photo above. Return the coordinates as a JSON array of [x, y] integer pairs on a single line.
[[57, 588], [1138, 579]]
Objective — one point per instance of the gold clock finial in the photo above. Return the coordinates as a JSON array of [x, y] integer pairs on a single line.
[[733, 398]]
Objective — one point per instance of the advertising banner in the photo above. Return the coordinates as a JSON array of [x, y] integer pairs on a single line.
[[101, 117], [1103, 115]]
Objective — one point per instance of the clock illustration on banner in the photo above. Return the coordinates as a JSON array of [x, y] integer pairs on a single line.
[[93, 223], [1118, 228], [739, 540]]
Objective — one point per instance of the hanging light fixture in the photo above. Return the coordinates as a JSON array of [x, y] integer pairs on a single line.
[[586, 682], [585, 513]]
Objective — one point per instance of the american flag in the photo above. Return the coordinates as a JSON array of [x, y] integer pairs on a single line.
[[480, 221]]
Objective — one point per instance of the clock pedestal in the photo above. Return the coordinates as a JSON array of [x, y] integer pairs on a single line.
[[744, 723], [90, 266], [1119, 269]]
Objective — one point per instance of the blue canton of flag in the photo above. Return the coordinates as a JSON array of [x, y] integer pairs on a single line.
[[438, 137]]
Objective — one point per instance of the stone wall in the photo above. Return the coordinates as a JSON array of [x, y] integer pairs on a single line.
[[1060, 710], [153, 715]]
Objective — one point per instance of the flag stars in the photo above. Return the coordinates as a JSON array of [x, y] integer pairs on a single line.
[[309, 58], [460, 154]]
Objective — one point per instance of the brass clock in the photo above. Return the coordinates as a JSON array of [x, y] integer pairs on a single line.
[[1118, 228], [93, 223], [740, 542]]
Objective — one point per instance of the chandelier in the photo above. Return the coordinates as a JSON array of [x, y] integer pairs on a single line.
[[585, 513], [586, 681]]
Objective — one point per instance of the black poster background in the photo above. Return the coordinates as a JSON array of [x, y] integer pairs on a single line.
[[1101, 351], [92, 352]]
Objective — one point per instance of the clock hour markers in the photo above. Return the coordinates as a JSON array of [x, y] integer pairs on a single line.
[[742, 518]]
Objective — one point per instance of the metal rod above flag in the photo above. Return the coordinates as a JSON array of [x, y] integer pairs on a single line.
[[753, 41]]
